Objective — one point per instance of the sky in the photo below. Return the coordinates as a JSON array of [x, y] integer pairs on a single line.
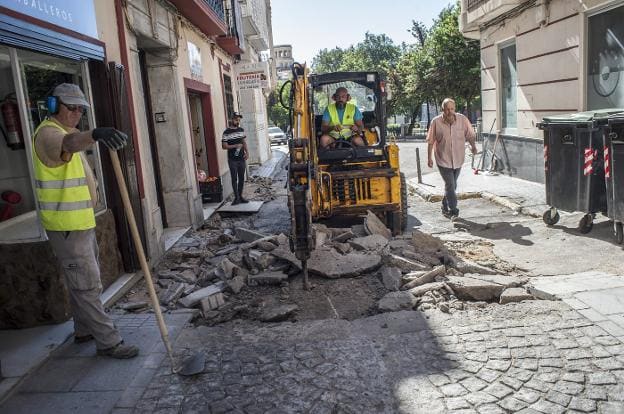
[[312, 25]]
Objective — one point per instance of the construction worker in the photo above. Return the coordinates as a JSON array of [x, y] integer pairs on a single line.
[[66, 193], [342, 121]]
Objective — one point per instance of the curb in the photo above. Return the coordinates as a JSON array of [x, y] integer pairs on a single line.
[[505, 202]]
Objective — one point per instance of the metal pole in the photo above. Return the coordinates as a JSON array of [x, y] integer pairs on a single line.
[[418, 171]]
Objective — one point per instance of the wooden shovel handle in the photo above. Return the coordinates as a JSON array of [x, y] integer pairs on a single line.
[[147, 274]]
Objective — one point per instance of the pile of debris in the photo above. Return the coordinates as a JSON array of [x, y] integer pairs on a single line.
[[206, 269]]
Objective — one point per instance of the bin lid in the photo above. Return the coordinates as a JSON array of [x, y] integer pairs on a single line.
[[583, 117]]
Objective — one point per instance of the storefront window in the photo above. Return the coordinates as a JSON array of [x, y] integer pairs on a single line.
[[605, 86], [31, 77]]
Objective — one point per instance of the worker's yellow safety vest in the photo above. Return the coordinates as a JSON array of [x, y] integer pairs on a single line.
[[347, 121], [62, 192]]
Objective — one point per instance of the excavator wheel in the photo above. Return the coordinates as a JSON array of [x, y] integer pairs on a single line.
[[397, 220]]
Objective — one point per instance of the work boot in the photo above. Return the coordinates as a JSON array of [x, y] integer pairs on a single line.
[[243, 201], [82, 339], [235, 202], [119, 351]]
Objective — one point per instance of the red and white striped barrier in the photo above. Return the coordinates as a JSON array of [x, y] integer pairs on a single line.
[[590, 155], [607, 165]]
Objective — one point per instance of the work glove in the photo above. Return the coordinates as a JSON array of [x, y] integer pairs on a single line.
[[110, 137]]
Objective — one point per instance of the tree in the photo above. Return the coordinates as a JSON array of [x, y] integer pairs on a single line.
[[276, 112], [455, 71], [328, 60]]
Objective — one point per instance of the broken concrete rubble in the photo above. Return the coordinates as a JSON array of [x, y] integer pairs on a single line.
[[514, 294], [474, 289], [327, 262], [425, 278], [195, 297], [277, 313], [374, 242], [212, 302], [267, 278], [421, 290], [404, 264], [248, 235], [373, 225], [396, 301], [391, 277]]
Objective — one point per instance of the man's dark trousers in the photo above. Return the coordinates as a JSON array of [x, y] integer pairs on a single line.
[[237, 172], [450, 176]]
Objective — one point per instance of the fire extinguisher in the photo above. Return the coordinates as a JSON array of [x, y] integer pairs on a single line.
[[11, 120]]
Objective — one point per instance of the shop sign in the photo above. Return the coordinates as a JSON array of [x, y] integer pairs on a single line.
[[194, 55], [78, 16], [252, 75]]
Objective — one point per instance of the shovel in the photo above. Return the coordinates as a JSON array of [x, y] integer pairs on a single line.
[[195, 363]]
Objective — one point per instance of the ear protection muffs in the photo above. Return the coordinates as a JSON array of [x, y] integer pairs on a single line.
[[52, 102]]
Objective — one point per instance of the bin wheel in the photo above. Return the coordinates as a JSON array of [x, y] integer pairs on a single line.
[[549, 219], [619, 233], [586, 223]]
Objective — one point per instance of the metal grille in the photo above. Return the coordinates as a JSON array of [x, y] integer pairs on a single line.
[[473, 4], [217, 7], [352, 190]]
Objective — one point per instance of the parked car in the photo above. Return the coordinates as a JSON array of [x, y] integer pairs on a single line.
[[277, 136]]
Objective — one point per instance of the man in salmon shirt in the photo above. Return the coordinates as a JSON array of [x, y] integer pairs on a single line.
[[448, 134]]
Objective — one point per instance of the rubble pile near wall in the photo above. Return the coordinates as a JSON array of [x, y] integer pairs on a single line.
[[206, 269]]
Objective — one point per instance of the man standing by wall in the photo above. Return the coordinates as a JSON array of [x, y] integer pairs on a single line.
[[448, 134], [233, 141], [66, 193]]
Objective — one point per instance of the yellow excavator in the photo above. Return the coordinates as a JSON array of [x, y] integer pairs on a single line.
[[347, 180]]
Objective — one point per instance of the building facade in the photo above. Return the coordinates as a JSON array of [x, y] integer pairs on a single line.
[[541, 58], [161, 71], [256, 73], [282, 55]]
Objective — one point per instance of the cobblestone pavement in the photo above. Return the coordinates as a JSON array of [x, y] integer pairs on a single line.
[[538, 356]]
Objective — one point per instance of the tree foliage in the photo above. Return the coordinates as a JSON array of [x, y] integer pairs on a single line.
[[439, 63], [277, 113]]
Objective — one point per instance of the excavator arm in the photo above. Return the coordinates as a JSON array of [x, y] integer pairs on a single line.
[[301, 150]]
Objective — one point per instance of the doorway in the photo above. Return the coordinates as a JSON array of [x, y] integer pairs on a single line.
[[204, 142]]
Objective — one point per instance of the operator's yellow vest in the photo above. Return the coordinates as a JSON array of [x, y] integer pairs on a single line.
[[347, 120], [62, 192]]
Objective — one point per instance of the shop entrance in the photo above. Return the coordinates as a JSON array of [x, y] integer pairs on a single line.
[[204, 142]]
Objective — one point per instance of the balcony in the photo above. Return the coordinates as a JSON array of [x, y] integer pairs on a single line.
[[254, 24], [475, 13], [207, 15], [233, 41]]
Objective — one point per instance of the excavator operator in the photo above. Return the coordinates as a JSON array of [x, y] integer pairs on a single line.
[[342, 121]]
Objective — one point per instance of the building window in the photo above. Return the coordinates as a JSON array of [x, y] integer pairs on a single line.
[[605, 60], [229, 96], [508, 87]]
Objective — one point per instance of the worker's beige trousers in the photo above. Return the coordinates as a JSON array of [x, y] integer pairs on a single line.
[[77, 252]]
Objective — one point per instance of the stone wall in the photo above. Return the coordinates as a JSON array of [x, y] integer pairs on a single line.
[[32, 291]]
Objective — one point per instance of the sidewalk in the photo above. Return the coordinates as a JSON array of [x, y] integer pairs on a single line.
[[597, 296], [74, 380], [522, 196], [23, 351], [272, 165]]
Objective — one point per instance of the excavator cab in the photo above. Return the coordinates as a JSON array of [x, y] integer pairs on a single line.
[[347, 180]]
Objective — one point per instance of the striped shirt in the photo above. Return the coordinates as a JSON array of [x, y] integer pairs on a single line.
[[233, 136]]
